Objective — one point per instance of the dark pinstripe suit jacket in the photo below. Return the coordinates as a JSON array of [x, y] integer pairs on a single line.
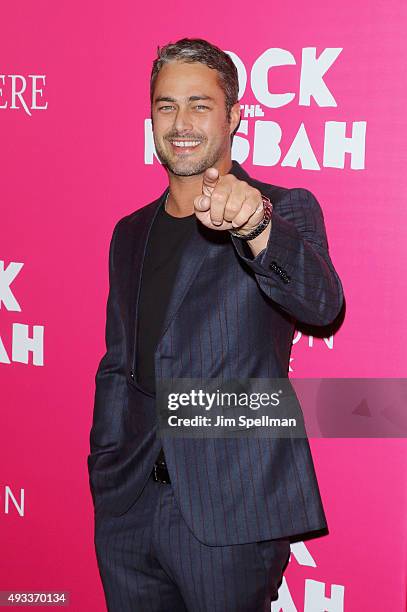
[[229, 315]]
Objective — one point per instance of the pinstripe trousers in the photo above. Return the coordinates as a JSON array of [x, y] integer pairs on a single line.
[[150, 561]]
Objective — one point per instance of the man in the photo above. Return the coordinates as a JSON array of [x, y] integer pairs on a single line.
[[206, 281]]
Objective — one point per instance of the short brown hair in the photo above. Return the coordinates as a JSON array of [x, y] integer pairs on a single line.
[[198, 50]]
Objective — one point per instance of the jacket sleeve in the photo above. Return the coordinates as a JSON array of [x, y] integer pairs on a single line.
[[111, 397], [295, 269]]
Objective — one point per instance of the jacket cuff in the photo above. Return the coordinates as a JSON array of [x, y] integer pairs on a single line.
[[275, 258]]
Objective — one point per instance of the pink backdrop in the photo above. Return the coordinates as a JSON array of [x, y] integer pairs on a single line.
[[72, 169]]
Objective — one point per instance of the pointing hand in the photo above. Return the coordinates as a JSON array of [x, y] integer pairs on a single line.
[[226, 203]]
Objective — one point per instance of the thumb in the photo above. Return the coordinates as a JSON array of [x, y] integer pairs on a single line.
[[210, 179]]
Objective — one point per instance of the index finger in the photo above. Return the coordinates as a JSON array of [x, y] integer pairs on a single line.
[[210, 179]]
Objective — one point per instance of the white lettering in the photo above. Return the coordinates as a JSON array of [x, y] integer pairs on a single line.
[[315, 598], [259, 77], [23, 344], [312, 71], [336, 145], [6, 278]]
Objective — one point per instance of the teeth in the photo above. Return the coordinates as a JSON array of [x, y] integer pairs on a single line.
[[181, 143]]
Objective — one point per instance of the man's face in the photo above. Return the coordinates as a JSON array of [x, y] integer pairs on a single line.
[[190, 126]]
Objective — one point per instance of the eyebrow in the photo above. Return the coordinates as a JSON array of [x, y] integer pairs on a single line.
[[190, 99]]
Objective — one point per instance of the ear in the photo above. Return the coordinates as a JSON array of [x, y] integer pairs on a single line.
[[234, 117]]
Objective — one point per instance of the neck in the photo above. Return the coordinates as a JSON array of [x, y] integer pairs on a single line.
[[184, 189]]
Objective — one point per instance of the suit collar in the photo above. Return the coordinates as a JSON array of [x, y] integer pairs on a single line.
[[195, 251], [239, 172]]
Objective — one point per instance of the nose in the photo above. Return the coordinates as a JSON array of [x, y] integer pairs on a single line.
[[182, 122]]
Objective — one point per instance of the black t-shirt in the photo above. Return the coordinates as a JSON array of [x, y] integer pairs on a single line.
[[164, 248]]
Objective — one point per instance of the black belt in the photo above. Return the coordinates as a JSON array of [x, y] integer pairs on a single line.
[[160, 472]]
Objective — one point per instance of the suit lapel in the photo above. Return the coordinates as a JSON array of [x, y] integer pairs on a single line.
[[193, 256], [195, 251], [140, 235]]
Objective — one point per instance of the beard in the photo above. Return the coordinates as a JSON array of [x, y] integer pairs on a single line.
[[187, 166]]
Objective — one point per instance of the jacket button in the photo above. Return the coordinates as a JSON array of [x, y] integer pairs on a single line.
[[131, 374]]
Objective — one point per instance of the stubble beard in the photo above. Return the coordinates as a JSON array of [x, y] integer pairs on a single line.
[[190, 167]]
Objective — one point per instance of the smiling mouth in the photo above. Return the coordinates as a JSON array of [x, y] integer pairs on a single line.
[[184, 145]]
